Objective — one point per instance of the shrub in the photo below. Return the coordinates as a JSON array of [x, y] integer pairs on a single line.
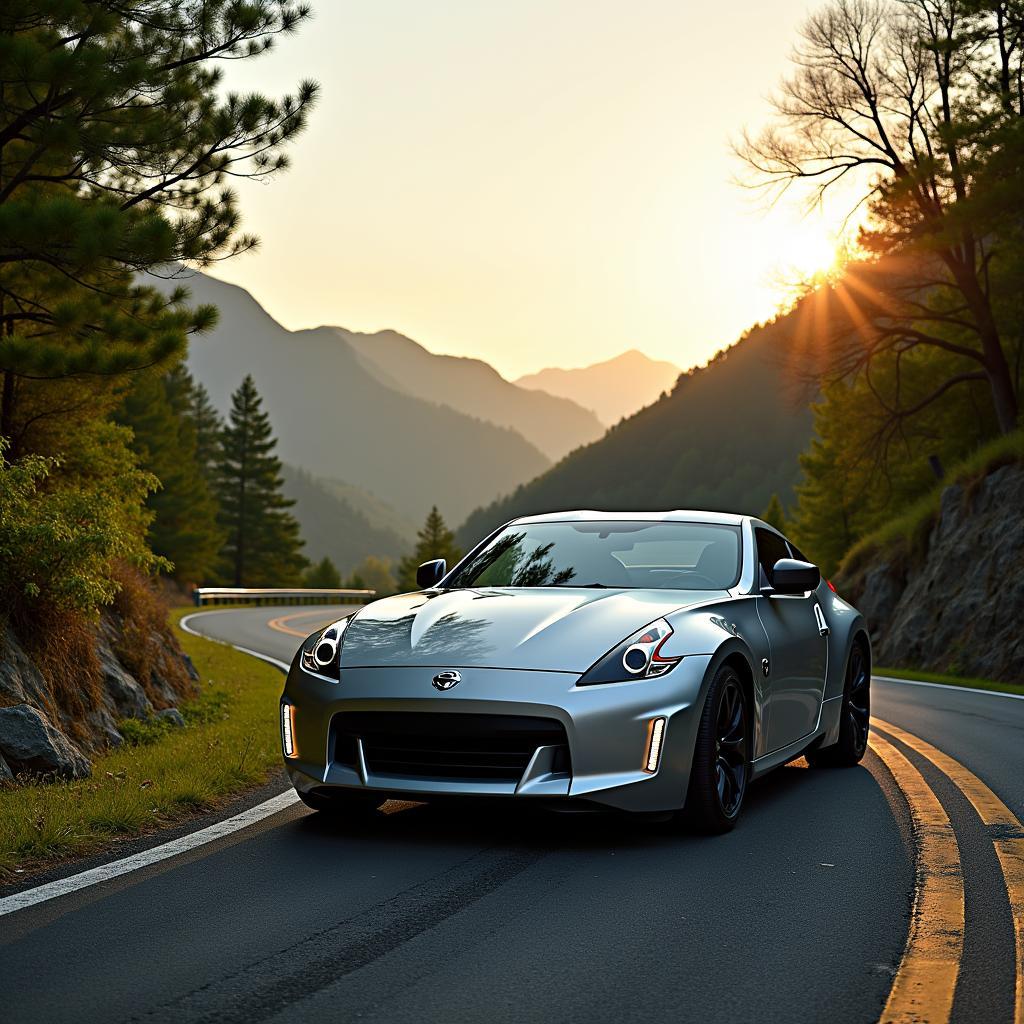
[[60, 532]]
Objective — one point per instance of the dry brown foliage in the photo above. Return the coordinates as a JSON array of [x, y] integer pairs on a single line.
[[144, 643]]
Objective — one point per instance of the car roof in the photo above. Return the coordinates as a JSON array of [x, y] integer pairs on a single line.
[[668, 516]]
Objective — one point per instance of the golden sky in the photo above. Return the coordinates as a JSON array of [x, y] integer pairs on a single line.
[[534, 182]]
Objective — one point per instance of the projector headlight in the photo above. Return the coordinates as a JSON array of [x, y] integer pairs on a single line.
[[322, 657], [637, 657]]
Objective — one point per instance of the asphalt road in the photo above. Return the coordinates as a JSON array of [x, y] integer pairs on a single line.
[[472, 914]]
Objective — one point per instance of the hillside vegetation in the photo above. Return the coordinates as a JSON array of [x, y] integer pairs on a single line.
[[337, 526], [942, 584], [903, 540]]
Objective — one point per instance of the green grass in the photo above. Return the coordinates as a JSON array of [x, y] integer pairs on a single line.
[[161, 775], [906, 535], [939, 677]]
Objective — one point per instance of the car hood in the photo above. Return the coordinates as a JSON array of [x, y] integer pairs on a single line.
[[560, 629]]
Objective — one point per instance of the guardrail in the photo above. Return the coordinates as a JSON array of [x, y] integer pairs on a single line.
[[277, 595]]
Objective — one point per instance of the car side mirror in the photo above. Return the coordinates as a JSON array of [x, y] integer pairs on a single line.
[[791, 576], [429, 574]]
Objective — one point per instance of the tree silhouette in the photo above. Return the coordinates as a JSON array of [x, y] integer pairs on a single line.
[[263, 544], [184, 527], [917, 105], [209, 430], [117, 140], [323, 576], [435, 540], [775, 514]]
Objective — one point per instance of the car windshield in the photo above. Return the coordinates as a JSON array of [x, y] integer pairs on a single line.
[[660, 555]]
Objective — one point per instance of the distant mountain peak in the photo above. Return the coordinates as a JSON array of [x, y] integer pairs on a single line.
[[613, 388]]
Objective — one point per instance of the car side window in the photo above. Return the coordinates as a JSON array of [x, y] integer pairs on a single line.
[[797, 553], [770, 548]]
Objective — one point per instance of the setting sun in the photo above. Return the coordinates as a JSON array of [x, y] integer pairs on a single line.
[[798, 251], [804, 254]]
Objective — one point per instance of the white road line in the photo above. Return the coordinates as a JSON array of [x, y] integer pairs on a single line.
[[63, 886], [103, 873], [948, 686], [184, 623]]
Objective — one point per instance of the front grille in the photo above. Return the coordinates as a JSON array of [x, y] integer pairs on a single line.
[[449, 746]]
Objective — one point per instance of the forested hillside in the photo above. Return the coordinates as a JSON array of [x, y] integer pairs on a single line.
[[727, 437], [337, 525]]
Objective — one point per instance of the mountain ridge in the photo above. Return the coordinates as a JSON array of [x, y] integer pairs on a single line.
[[342, 524], [553, 424], [335, 419], [614, 388]]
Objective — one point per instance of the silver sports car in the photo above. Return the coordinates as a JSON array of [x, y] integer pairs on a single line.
[[651, 662]]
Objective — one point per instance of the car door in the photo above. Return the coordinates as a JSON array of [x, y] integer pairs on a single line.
[[798, 650]]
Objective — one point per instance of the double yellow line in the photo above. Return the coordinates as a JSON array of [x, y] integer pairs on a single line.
[[280, 623], [925, 983]]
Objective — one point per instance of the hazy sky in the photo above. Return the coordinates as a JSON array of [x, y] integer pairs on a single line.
[[535, 182]]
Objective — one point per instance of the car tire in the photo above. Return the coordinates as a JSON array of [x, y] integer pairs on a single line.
[[854, 716], [721, 757], [342, 805]]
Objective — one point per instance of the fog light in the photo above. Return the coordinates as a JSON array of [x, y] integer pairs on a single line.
[[288, 730], [655, 733]]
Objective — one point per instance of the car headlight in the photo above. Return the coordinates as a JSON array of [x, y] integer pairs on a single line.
[[637, 657], [323, 656]]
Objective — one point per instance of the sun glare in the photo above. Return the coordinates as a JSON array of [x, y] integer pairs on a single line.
[[786, 255], [801, 254]]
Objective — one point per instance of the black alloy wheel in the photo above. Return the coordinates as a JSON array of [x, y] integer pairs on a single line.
[[721, 762], [854, 716], [731, 748]]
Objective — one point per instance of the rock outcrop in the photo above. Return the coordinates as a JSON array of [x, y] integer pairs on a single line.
[[41, 736], [959, 609], [31, 745]]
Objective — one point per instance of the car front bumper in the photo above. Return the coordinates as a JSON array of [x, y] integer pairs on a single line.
[[607, 729]]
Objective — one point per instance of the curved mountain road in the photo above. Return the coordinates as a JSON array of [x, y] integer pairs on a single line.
[[502, 914]]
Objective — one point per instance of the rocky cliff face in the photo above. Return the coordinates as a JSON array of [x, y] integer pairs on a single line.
[[959, 609], [44, 734]]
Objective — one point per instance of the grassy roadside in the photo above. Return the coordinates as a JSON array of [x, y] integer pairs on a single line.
[[938, 677], [162, 776]]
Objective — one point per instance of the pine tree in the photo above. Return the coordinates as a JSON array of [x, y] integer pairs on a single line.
[[774, 514], [209, 428], [117, 138], [263, 543], [323, 576], [184, 529], [435, 540]]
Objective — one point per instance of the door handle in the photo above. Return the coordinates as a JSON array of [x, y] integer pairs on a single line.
[[819, 615]]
